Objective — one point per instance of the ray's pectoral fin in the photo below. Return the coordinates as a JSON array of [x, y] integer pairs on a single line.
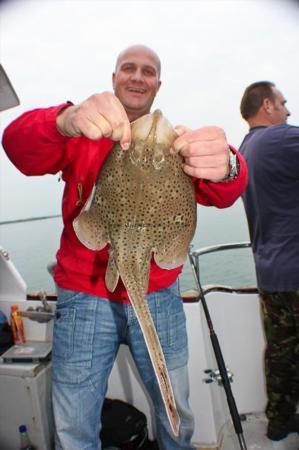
[[112, 274], [89, 230], [171, 254]]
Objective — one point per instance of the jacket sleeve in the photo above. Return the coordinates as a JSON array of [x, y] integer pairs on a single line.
[[222, 194], [33, 143]]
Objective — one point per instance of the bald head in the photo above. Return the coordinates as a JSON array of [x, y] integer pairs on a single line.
[[136, 79], [139, 49]]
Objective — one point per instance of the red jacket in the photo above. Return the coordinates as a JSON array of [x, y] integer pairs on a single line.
[[35, 147]]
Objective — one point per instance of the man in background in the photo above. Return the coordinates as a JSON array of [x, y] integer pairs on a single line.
[[271, 149]]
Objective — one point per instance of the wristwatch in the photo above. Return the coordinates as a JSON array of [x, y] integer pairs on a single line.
[[234, 166]]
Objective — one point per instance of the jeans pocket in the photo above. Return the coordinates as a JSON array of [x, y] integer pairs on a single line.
[[171, 320], [73, 339], [177, 336], [176, 351], [64, 333], [66, 295], [174, 289]]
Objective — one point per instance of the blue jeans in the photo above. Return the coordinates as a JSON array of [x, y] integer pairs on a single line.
[[88, 331]]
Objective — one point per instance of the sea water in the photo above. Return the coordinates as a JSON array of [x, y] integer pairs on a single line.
[[32, 245]]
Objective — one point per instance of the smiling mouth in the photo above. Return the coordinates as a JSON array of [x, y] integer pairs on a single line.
[[136, 90]]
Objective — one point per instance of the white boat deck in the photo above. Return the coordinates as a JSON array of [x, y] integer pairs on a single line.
[[254, 429], [237, 323]]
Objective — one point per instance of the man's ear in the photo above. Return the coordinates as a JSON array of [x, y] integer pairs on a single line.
[[268, 105], [113, 80]]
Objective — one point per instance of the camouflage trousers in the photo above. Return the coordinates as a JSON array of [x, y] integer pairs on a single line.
[[280, 311]]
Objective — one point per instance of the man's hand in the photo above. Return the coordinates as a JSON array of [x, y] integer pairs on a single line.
[[205, 152], [100, 115]]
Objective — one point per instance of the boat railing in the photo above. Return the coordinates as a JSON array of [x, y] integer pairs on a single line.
[[196, 254], [219, 247]]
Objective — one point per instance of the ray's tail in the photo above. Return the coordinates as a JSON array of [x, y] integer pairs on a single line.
[[153, 345]]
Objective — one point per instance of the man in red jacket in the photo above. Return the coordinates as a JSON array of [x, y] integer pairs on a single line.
[[92, 322]]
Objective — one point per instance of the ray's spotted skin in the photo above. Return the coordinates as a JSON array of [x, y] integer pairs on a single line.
[[143, 205]]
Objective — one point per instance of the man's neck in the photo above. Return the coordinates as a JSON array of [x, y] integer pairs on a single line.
[[134, 115], [253, 123]]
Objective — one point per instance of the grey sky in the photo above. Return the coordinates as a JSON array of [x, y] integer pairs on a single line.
[[57, 50]]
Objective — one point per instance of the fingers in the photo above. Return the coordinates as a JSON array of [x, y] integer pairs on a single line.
[[179, 144], [181, 129], [205, 152], [100, 115], [189, 140], [125, 140], [93, 126], [213, 168]]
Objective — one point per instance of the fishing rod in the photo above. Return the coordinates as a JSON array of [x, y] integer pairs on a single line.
[[220, 362]]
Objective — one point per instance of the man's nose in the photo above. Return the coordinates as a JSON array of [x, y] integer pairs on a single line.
[[137, 75]]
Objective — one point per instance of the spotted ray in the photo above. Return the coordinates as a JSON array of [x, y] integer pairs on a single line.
[[143, 205]]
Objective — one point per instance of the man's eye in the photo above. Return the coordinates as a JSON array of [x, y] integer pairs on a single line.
[[127, 69], [149, 72]]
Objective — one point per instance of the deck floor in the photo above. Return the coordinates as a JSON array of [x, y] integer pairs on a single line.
[[254, 430]]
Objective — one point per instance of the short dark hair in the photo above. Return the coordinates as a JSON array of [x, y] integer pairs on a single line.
[[254, 96]]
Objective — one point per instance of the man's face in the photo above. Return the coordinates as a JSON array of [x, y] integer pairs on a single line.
[[136, 80], [279, 112]]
